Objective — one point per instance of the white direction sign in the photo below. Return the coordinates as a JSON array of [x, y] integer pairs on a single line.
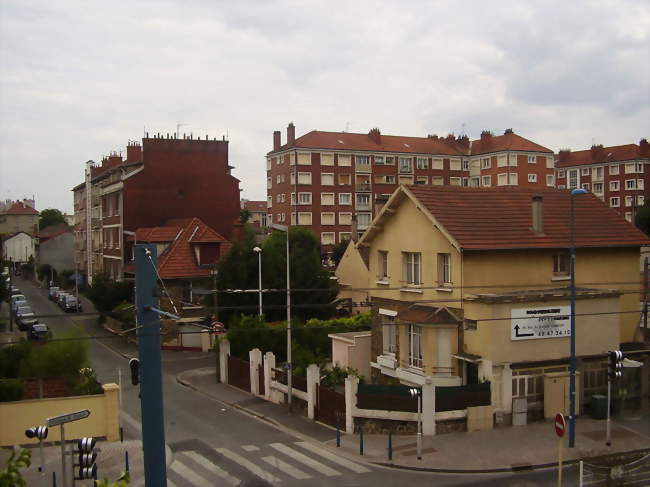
[[531, 323], [66, 418]]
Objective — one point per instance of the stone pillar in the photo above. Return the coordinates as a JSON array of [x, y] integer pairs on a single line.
[[255, 360], [224, 351], [428, 407], [313, 379], [351, 386], [112, 405], [205, 341], [269, 364], [506, 389]]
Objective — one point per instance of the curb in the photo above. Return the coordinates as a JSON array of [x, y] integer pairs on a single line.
[[358, 458]]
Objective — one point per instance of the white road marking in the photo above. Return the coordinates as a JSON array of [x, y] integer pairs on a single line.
[[131, 421], [286, 468], [207, 464], [186, 473], [355, 467], [250, 448], [251, 467], [310, 462]]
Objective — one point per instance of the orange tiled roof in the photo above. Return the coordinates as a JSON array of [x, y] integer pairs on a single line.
[[506, 142], [501, 218], [346, 141], [597, 155], [19, 208], [179, 259]]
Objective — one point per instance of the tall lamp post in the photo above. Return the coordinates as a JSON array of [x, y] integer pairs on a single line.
[[284, 228], [259, 275], [417, 392], [572, 364]]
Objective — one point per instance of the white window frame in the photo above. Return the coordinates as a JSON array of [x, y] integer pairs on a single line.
[[629, 200], [486, 181], [304, 198], [532, 159], [382, 266], [444, 270], [561, 173], [614, 202], [304, 175], [630, 184], [502, 179], [327, 179], [304, 214], [614, 186], [584, 171], [345, 196], [415, 346], [486, 162], [532, 178], [422, 162], [455, 181], [344, 160], [454, 164], [347, 220], [614, 169], [329, 197], [380, 160], [301, 158], [323, 239], [389, 334], [412, 268], [330, 216], [437, 163], [405, 165], [550, 180], [326, 159], [598, 188]]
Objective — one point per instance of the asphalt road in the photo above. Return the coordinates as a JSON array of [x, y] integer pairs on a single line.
[[214, 444]]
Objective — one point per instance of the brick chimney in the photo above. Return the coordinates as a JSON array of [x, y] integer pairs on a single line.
[[563, 155], [538, 215], [375, 135], [463, 140], [133, 152], [644, 148], [451, 139], [277, 140], [291, 133], [486, 139], [597, 153]]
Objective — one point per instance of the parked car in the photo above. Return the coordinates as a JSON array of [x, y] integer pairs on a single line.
[[71, 303], [55, 294], [60, 298], [15, 290], [51, 292], [26, 320], [18, 300], [39, 332]]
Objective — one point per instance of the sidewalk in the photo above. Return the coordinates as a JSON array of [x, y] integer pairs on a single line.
[[503, 449]]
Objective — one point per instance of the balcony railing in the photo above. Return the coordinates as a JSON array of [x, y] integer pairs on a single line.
[[363, 187]]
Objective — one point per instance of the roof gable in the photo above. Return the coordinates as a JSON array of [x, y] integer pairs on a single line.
[[598, 155], [19, 208], [506, 142]]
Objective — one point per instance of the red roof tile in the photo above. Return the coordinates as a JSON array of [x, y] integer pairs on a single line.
[[179, 259], [345, 141], [598, 154], [505, 142], [19, 208], [501, 218]]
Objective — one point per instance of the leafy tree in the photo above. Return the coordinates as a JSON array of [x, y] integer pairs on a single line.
[[122, 481], [244, 215], [338, 250], [106, 293], [642, 219], [49, 217], [10, 476]]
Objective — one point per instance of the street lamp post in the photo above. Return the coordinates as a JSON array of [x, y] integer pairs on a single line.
[[415, 392], [259, 275], [572, 363], [284, 228]]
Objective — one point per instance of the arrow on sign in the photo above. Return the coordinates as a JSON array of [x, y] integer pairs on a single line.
[[523, 334]]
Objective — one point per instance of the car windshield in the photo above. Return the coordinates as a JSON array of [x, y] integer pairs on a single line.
[[24, 309], [39, 328]]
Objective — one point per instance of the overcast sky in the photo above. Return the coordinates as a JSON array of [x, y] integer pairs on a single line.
[[81, 78]]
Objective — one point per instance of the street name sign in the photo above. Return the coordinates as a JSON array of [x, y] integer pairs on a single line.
[[546, 322], [66, 418], [560, 425]]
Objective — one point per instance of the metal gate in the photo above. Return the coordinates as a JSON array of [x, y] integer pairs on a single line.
[[330, 406], [239, 373]]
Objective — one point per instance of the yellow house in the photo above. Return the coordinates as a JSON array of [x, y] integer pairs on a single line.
[[473, 284]]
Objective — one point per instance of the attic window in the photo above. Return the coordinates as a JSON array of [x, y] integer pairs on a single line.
[[196, 229], [407, 146], [341, 142]]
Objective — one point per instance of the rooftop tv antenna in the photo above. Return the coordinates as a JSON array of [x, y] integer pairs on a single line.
[[178, 128]]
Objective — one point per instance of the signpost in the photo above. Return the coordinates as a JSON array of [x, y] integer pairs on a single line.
[[560, 428], [61, 420], [533, 323]]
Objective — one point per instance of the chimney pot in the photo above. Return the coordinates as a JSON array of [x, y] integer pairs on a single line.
[[644, 148], [277, 140], [291, 133]]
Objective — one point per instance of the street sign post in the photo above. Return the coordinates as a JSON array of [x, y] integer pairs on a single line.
[[61, 420], [560, 428]]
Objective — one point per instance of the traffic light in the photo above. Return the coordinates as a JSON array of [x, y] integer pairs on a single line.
[[38, 432], [86, 458], [615, 364], [134, 365]]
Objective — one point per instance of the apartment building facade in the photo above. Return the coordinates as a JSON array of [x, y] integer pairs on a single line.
[[160, 179], [335, 182], [615, 174]]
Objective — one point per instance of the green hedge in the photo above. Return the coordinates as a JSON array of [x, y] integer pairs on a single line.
[[11, 390]]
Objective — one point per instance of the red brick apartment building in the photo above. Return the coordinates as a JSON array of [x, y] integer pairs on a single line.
[[322, 180], [615, 174], [160, 179]]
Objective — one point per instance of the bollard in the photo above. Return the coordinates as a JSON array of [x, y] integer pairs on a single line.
[[390, 446], [360, 441], [338, 436], [53, 479], [121, 435], [126, 461]]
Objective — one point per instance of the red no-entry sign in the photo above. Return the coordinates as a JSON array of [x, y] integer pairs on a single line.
[[560, 425]]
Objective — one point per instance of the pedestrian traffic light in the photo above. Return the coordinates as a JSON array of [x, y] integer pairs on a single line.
[[38, 432], [86, 458], [134, 365], [615, 364]]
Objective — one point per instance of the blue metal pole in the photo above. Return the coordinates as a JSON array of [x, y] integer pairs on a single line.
[[151, 402]]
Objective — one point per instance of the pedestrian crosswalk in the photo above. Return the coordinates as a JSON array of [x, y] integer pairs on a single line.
[[272, 464]]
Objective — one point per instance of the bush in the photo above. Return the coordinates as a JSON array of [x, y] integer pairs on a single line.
[[11, 357], [106, 294], [86, 383], [125, 313], [11, 390], [57, 358]]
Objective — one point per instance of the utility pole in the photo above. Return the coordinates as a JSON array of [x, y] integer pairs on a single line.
[[151, 402], [11, 304]]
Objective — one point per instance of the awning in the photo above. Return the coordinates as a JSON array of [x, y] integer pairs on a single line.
[[468, 357]]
